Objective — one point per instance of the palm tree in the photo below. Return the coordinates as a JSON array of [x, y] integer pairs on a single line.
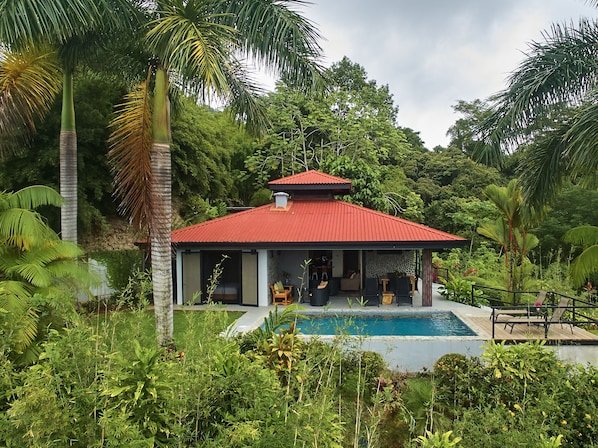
[[37, 269], [550, 104], [511, 231], [73, 28], [585, 263], [198, 46]]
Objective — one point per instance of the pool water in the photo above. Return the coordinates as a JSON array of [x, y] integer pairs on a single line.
[[420, 324]]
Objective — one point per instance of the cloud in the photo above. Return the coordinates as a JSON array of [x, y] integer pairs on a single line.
[[432, 54]]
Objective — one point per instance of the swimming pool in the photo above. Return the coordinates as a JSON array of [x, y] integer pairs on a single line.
[[412, 324]]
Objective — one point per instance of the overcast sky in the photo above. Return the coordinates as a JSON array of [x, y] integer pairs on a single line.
[[433, 53]]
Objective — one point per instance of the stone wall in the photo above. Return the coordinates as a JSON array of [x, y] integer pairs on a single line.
[[379, 263]]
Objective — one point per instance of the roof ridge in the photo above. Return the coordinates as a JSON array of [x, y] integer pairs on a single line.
[[317, 178]]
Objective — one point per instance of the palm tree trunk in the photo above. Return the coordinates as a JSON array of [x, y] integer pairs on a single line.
[[161, 219], [68, 161]]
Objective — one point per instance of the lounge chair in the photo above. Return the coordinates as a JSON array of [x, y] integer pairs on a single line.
[[545, 321], [540, 299], [557, 315], [525, 311]]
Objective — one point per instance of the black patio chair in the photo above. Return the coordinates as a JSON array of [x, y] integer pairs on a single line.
[[402, 290], [371, 292]]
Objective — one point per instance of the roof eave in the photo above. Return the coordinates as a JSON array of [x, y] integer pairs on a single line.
[[361, 245]]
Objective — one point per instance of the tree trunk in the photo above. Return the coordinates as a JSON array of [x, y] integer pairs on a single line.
[[160, 241], [68, 161], [160, 221]]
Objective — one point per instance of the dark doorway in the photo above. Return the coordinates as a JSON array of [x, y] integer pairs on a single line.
[[351, 261], [228, 289]]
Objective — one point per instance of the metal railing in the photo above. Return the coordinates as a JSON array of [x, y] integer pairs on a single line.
[[438, 274], [579, 312], [505, 297]]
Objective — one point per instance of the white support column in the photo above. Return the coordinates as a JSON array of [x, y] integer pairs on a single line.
[[263, 298], [179, 277]]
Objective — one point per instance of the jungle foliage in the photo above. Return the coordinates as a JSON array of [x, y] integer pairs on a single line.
[[103, 382]]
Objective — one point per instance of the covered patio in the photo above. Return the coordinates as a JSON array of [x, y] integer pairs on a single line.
[[306, 234]]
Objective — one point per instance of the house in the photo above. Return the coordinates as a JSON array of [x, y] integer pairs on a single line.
[[255, 248]]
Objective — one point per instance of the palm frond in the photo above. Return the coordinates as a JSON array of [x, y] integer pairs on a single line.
[[23, 228], [560, 70], [507, 199], [30, 80], [35, 196], [129, 155], [244, 102], [34, 273], [44, 264], [277, 37], [14, 295], [584, 265], [544, 167], [189, 41], [65, 271], [582, 235], [582, 138], [27, 329], [58, 21], [22, 329], [526, 241], [20, 226], [497, 231], [556, 73]]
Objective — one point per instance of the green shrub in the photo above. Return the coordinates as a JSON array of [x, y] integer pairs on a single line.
[[360, 371], [459, 380], [437, 440], [458, 288], [120, 265]]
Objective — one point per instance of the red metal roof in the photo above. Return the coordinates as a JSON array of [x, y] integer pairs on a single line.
[[311, 177], [315, 222]]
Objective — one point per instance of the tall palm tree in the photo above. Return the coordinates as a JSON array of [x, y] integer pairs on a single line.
[[551, 106], [73, 28], [198, 46]]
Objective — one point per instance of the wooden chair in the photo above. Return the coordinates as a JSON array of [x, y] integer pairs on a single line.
[[283, 296]]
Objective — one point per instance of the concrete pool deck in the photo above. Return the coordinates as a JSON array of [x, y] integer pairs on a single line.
[[414, 353]]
